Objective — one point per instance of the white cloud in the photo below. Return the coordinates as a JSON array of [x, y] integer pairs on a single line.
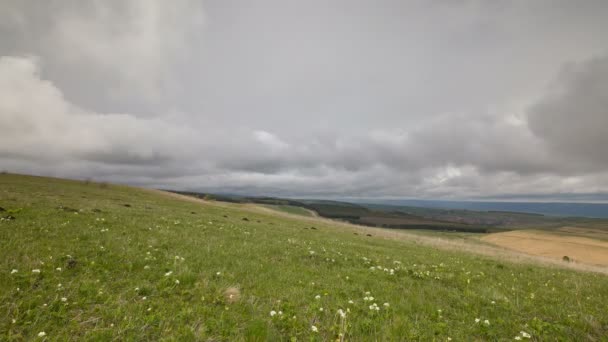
[[39, 123], [270, 140]]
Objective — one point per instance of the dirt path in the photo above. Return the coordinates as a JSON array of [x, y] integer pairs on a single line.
[[546, 244]]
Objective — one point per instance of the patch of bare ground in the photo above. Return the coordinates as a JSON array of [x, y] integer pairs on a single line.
[[461, 245], [554, 245]]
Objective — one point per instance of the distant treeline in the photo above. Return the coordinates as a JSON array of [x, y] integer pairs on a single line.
[[353, 213]]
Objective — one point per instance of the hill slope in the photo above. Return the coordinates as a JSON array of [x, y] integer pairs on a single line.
[[94, 261]]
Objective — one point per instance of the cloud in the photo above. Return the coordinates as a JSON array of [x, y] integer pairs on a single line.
[[123, 50], [416, 99], [270, 140], [572, 120], [40, 124]]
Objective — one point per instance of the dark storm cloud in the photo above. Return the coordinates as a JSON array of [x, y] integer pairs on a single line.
[[315, 98]]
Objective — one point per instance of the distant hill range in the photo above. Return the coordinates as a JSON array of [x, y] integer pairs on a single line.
[[594, 210], [428, 215]]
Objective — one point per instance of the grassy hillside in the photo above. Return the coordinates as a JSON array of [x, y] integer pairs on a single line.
[[104, 262], [290, 209]]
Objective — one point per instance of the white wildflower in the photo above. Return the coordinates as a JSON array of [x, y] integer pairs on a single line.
[[41, 334], [273, 313], [36, 271], [317, 297], [63, 299], [14, 271], [168, 273], [314, 329]]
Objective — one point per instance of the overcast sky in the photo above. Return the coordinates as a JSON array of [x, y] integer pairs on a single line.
[[375, 99]]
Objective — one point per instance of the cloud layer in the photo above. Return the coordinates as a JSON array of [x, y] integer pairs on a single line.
[[340, 100]]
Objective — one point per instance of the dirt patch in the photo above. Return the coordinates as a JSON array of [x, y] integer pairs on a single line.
[[553, 245]]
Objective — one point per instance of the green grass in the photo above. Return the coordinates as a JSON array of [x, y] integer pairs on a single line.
[[120, 266], [290, 209]]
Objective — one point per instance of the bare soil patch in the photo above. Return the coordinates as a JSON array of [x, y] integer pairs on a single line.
[[554, 245]]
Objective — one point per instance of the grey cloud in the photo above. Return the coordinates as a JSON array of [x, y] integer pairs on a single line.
[[573, 118], [315, 98], [124, 51]]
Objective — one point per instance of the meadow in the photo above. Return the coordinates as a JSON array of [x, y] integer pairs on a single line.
[[90, 261]]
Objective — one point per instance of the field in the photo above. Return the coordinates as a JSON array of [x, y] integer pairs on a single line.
[[578, 244], [89, 261]]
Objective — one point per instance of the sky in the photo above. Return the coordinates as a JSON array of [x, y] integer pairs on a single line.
[[327, 99]]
